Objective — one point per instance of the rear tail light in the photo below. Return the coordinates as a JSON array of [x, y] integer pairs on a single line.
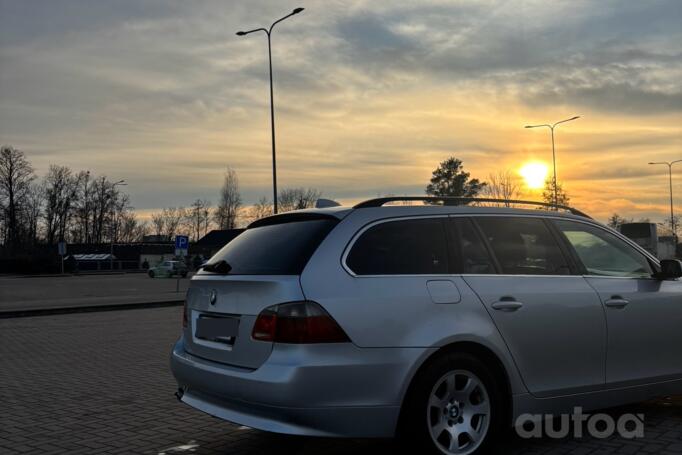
[[184, 315], [297, 323]]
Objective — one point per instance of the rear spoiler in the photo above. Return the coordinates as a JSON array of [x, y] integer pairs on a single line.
[[291, 217]]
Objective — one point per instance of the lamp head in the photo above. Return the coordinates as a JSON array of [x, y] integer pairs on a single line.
[[297, 10], [241, 33]]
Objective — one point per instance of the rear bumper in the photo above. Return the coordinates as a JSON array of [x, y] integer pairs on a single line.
[[335, 390]]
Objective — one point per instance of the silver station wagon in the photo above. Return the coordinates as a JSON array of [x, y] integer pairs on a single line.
[[440, 323]]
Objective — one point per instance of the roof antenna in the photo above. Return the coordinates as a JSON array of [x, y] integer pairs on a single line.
[[325, 203]]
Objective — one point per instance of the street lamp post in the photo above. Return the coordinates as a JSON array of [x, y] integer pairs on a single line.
[[670, 179], [113, 223], [268, 32], [551, 127]]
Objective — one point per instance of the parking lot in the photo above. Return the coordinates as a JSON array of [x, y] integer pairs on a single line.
[[29, 293], [100, 383]]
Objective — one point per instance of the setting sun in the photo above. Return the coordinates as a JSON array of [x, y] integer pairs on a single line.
[[534, 174]]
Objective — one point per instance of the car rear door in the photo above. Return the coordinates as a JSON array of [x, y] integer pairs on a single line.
[[260, 268], [644, 314], [550, 318]]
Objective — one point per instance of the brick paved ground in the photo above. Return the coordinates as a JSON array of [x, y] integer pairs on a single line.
[[99, 383]]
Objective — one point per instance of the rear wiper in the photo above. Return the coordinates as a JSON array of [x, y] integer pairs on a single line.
[[221, 267]]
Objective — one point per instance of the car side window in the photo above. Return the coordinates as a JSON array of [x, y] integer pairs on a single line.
[[524, 246], [403, 247], [602, 253], [469, 254]]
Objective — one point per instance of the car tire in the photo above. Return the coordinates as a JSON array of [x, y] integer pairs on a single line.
[[151, 274], [455, 406]]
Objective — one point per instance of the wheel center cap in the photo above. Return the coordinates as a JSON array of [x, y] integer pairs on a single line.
[[453, 412]]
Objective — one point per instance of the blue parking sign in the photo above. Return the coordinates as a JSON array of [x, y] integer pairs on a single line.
[[181, 242]]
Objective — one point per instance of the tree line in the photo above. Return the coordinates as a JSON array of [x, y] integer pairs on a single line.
[[230, 213], [62, 205], [79, 207]]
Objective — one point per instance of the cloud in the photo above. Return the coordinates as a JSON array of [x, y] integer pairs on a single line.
[[370, 96]]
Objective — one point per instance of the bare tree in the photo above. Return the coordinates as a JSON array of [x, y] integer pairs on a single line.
[[130, 228], [121, 212], [674, 225], [61, 187], [173, 218], [158, 223], [615, 221], [297, 198], [83, 206], [16, 175], [260, 209], [227, 212], [199, 218], [33, 212], [100, 208], [502, 185]]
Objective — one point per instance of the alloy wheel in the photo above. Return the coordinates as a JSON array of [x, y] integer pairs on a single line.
[[458, 413]]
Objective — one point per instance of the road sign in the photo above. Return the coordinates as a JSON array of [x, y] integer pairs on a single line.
[[61, 249], [181, 245]]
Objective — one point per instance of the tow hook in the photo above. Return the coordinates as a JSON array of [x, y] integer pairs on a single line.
[[179, 393]]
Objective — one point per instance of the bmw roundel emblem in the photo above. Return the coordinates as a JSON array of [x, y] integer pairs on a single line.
[[214, 297]]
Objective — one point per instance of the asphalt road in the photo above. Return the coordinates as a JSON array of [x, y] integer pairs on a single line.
[[99, 383], [21, 293]]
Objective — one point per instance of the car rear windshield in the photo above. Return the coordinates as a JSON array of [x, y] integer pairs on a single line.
[[279, 247]]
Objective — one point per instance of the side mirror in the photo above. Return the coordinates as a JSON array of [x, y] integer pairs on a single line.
[[670, 269]]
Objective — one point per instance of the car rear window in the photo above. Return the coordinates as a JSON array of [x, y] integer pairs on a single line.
[[275, 248]]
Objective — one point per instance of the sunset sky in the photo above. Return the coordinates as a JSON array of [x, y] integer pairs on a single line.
[[370, 96]]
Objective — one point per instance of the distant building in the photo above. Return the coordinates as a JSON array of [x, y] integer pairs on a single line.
[[651, 237], [156, 239], [127, 256]]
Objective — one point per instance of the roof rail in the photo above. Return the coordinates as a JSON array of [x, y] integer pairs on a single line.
[[451, 200]]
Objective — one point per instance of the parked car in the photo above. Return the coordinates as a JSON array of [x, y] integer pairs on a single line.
[[168, 269], [437, 323]]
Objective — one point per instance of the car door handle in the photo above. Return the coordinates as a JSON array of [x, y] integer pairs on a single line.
[[616, 302], [506, 305]]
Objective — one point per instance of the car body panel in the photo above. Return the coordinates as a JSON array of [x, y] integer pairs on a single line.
[[326, 377], [557, 338], [645, 336], [554, 350], [241, 298]]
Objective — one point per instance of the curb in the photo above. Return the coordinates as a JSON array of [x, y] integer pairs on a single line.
[[87, 309], [72, 274]]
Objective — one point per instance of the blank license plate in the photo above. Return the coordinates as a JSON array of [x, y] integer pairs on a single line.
[[220, 329]]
